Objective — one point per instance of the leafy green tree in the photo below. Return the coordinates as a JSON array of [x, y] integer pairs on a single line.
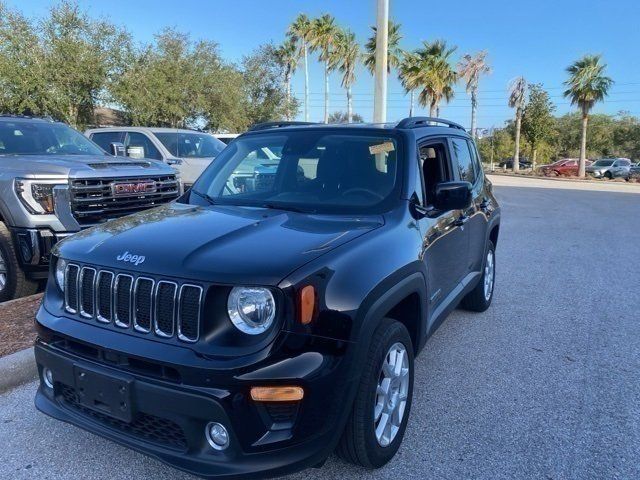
[[266, 98], [345, 58], [343, 117], [517, 101], [407, 65], [394, 52], [323, 36], [537, 119], [300, 33], [587, 85], [470, 69], [432, 73]]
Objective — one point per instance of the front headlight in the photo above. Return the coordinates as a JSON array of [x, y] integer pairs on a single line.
[[251, 309], [37, 195], [61, 266]]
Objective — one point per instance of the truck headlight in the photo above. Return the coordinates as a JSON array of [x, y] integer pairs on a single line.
[[37, 195], [251, 309], [61, 266]]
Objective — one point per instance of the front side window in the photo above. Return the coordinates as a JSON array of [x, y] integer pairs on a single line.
[[43, 138], [309, 171], [105, 139], [463, 160], [190, 145], [603, 163]]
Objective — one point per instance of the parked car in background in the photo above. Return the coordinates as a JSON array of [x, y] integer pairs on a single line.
[[568, 168], [507, 163], [634, 171], [610, 168], [549, 169], [226, 137], [189, 151], [54, 182]]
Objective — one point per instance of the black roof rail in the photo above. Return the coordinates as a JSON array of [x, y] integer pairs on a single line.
[[266, 125], [414, 122]]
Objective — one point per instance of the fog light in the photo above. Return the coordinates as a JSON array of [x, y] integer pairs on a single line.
[[48, 377], [217, 436]]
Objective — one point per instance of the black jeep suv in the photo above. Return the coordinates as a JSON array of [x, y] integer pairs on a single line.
[[254, 326]]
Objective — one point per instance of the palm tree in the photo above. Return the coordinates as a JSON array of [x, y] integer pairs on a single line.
[[287, 55], [586, 85], [407, 64], [432, 72], [470, 68], [299, 32], [323, 37], [517, 100], [394, 52], [345, 58]]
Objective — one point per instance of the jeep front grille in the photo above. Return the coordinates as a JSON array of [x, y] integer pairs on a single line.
[[97, 200], [164, 308]]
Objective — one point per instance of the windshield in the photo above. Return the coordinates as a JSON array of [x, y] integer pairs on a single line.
[[309, 171], [42, 138], [190, 145], [603, 163]]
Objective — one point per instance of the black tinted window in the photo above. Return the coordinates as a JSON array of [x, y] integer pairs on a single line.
[[105, 139], [463, 160]]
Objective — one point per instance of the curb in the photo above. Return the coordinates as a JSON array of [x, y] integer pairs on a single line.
[[17, 369]]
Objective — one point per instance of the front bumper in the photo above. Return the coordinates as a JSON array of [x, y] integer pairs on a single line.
[[34, 248], [168, 416]]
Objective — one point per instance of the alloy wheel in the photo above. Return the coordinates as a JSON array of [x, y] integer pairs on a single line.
[[489, 275], [391, 394]]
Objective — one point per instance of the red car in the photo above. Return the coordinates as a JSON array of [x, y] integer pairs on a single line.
[[565, 167]]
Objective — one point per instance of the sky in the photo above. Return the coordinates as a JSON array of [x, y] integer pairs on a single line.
[[536, 39]]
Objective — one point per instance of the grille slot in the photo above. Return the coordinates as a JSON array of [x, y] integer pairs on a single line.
[[95, 200], [87, 291], [143, 304], [165, 308], [71, 288], [104, 296], [161, 307], [189, 312]]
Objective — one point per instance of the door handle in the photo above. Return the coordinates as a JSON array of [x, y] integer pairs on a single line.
[[461, 220]]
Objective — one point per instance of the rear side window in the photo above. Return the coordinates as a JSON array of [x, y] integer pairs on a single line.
[[139, 146], [105, 139], [463, 160]]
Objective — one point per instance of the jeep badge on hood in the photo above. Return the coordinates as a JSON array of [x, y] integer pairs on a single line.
[[127, 257]]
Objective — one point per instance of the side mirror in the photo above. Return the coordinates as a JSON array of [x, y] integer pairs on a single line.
[[452, 196], [117, 149]]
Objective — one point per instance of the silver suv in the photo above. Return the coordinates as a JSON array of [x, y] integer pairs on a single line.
[[189, 151], [610, 168], [54, 182]]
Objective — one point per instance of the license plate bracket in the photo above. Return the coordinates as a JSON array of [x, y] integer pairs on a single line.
[[108, 394]]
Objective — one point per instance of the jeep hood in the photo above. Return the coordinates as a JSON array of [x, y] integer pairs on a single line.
[[224, 244], [80, 166]]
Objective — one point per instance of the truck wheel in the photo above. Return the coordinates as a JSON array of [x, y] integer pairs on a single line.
[[479, 299], [380, 411], [13, 282]]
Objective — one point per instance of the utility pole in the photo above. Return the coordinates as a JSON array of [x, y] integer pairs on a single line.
[[382, 40]]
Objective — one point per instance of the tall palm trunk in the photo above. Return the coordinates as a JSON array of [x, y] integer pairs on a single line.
[[583, 144], [326, 91], [474, 107], [349, 105], [534, 156], [516, 154], [306, 83], [287, 83], [433, 109], [411, 104]]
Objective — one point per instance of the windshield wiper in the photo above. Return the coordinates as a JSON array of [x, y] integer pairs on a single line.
[[289, 208], [206, 196]]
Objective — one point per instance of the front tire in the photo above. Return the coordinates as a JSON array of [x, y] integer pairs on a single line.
[[380, 411], [479, 299], [13, 282]]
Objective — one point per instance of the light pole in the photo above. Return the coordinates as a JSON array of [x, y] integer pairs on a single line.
[[382, 40]]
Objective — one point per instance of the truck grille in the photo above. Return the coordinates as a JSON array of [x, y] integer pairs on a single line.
[[97, 200], [164, 308]]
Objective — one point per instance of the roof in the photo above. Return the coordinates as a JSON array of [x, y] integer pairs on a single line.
[[147, 129], [26, 118]]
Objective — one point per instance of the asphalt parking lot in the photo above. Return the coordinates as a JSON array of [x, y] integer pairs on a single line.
[[543, 385]]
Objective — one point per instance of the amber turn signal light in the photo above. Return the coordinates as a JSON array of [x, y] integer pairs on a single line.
[[307, 304], [277, 394]]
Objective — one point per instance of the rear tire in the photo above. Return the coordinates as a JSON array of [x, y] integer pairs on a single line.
[[380, 395], [13, 282], [608, 175], [479, 299]]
